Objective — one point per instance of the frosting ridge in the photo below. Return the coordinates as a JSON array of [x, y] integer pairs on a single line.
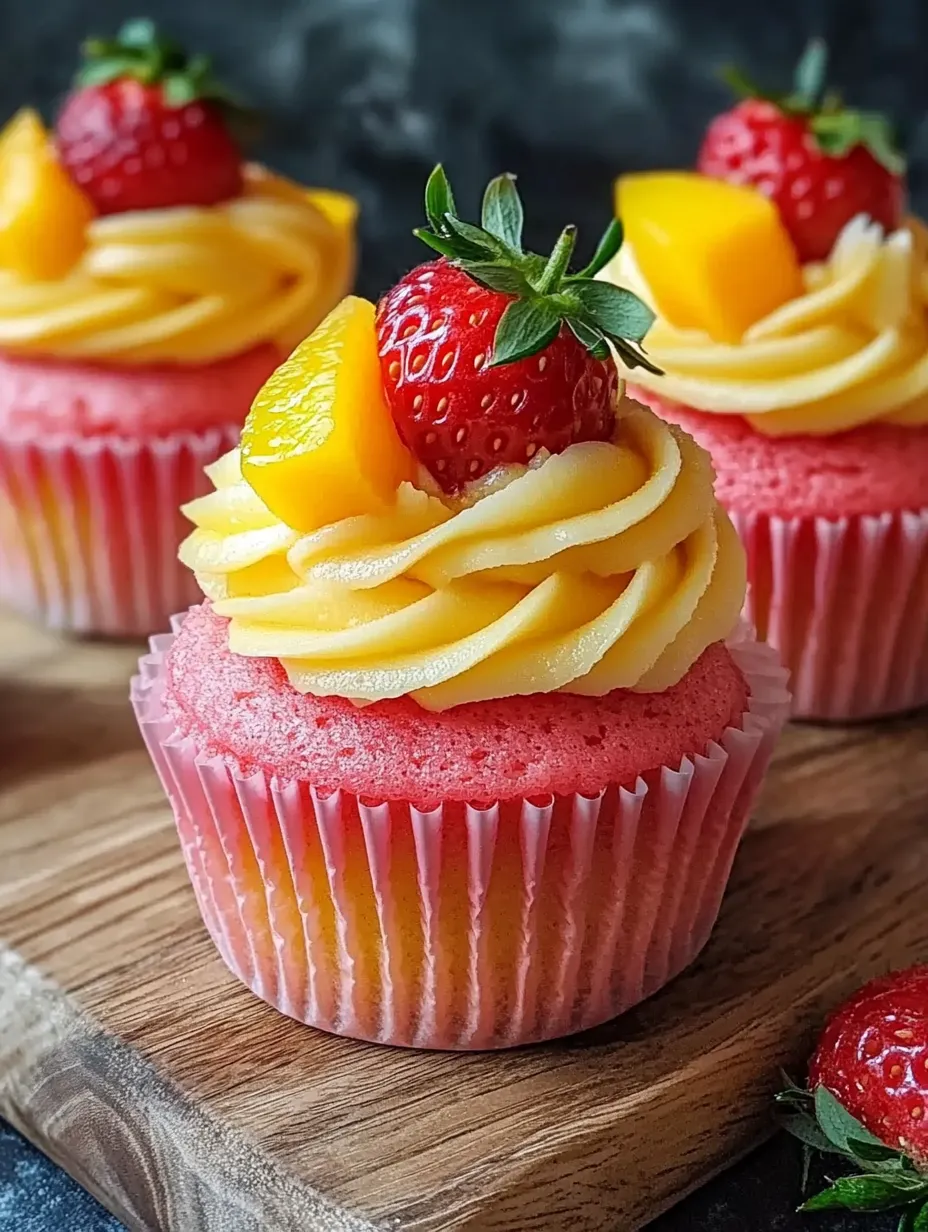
[[607, 566], [189, 285], [852, 349]]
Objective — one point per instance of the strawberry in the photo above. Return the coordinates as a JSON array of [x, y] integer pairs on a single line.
[[819, 162], [868, 1099], [145, 128], [491, 354]]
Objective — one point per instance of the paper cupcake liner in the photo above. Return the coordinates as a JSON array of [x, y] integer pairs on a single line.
[[462, 926], [89, 528], [845, 602]]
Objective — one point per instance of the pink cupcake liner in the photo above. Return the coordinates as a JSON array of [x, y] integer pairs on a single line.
[[845, 602], [461, 926], [89, 527]]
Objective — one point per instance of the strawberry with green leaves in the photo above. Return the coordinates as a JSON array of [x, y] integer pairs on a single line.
[[146, 126], [491, 353], [820, 162], [867, 1100]]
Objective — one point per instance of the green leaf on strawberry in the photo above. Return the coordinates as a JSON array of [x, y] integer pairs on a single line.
[[838, 1124], [498, 277], [502, 213], [589, 338], [526, 327], [869, 1192], [609, 244], [439, 199], [837, 132], [547, 294], [615, 310]]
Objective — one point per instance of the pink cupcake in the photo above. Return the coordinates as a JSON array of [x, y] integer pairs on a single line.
[[792, 330], [460, 763], [150, 282]]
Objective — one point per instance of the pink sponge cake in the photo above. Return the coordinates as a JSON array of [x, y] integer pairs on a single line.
[[150, 282], [49, 397], [871, 470], [461, 747]]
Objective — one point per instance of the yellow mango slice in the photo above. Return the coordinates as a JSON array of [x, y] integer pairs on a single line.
[[43, 214], [715, 255], [319, 443]]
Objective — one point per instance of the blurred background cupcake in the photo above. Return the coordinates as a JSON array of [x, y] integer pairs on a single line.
[[150, 280], [792, 296], [459, 751]]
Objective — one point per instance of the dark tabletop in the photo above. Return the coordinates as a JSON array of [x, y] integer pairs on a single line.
[[366, 95], [757, 1195]]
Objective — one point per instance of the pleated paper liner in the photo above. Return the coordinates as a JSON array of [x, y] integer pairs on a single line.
[[845, 602], [462, 926], [89, 528]]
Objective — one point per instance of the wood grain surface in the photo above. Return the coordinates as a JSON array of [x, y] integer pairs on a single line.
[[131, 1056]]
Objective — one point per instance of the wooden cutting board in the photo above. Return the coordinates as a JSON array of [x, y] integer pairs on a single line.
[[131, 1056]]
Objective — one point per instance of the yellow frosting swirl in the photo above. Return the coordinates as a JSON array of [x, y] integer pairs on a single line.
[[190, 284], [608, 566], [853, 348]]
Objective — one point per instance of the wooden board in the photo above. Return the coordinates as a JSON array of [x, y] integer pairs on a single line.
[[130, 1055]]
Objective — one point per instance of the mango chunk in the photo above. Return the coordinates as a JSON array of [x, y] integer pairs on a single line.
[[43, 214], [715, 255], [319, 443]]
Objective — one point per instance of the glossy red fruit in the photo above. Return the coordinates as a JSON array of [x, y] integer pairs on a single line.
[[816, 194], [873, 1057], [457, 414], [128, 150]]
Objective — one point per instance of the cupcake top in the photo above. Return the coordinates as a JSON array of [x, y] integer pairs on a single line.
[[135, 234], [788, 285], [453, 501]]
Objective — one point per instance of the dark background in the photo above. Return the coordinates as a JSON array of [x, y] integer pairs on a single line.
[[366, 95]]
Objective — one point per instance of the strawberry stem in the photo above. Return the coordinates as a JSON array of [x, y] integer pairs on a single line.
[[558, 262]]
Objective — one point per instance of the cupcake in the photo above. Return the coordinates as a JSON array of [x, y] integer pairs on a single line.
[[150, 282], [463, 739], [792, 302]]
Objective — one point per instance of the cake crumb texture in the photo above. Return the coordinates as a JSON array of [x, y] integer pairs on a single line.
[[44, 396], [877, 468]]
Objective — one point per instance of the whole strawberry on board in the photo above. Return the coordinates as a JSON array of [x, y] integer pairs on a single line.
[[867, 1100], [146, 126], [492, 354], [820, 162]]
